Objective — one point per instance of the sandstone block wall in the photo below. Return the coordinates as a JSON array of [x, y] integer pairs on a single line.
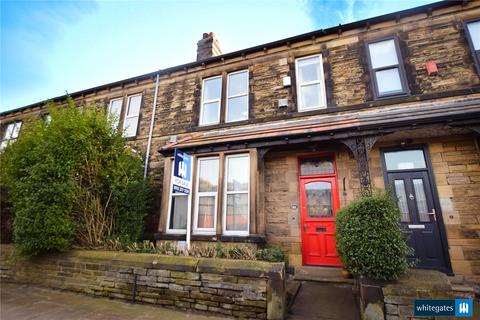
[[245, 289]]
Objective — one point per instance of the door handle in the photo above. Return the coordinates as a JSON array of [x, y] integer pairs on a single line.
[[305, 227], [434, 214]]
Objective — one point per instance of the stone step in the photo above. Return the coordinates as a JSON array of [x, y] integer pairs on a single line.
[[320, 274]]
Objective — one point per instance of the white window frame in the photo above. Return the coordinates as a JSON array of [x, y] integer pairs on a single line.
[[237, 95], [205, 231], [11, 137], [132, 116], [321, 81], [226, 193], [219, 100], [121, 108], [169, 212]]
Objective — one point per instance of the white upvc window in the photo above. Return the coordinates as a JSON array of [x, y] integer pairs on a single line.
[[236, 204], [237, 96], [115, 111], [211, 96], [178, 210], [11, 134], [387, 71], [310, 83], [132, 115], [205, 219]]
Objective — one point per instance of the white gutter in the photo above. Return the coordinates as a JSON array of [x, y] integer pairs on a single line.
[[150, 133]]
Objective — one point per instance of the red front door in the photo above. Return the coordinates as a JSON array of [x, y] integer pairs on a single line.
[[319, 203]]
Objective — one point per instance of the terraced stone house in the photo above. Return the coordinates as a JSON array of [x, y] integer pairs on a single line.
[[284, 134]]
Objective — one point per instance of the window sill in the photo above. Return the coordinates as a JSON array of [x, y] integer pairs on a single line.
[[254, 238]]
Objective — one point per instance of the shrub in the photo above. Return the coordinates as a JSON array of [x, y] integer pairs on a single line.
[[272, 254], [73, 181], [369, 239]]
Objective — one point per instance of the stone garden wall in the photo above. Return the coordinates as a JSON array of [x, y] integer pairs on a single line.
[[394, 300], [246, 289]]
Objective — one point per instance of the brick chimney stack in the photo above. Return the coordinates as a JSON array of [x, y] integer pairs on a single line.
[[208, 46]]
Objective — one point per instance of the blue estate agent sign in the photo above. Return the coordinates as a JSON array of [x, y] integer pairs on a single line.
[[182, 172], [443, 308]]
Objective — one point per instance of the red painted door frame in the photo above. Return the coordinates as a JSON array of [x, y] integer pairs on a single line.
[[318, 240]]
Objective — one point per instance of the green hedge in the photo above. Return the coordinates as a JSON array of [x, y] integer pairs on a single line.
[[73, 181], [369, 239]]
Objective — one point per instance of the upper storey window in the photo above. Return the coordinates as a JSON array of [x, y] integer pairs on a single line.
[[473, 28], [132, 115], [310, 83], [115, 110], [11, 134], [211, 96], [237, 96], [236, 100], [387, 71]]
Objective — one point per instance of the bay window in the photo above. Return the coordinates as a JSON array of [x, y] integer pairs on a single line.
[[388, 74], [220, 200]]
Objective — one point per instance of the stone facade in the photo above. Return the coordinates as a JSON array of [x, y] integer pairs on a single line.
[[436, 34], [245, 289]]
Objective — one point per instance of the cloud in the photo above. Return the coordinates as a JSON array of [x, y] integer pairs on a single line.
[[329, 13]]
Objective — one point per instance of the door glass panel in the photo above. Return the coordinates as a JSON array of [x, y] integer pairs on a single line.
[[421, 200], [402, 200], [404, 160], [319, 199], [314, 166]]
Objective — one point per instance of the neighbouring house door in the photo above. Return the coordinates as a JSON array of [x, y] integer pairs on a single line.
[[408, 174], [319, 203]]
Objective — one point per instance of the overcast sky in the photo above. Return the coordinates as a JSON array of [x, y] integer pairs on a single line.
[[50, 47]]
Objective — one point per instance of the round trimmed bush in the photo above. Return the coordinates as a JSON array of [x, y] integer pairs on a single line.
[[369, 239]]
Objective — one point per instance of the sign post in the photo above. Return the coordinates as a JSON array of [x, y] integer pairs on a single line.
[[182, 183]]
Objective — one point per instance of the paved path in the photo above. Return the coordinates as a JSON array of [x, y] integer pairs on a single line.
[[325, 301], [21, 302]]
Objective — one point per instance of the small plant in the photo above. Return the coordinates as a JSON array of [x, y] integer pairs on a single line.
[[271, 254], [369, 239], [238, 252]]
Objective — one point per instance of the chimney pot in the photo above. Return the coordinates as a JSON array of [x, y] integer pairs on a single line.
[[208, 46]]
